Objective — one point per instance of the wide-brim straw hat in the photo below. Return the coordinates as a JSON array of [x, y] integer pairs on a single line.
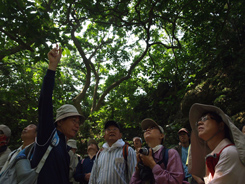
[[199, 148]]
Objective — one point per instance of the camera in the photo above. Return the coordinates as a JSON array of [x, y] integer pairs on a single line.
[[144, 151]]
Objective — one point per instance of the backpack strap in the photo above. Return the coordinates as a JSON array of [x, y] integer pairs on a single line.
[[54, 142], [82, 161], [11, 154], [98, 154], [125, 154], [164, 157], [225, 147]]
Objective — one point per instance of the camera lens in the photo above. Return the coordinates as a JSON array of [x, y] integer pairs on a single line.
[[144, 151]]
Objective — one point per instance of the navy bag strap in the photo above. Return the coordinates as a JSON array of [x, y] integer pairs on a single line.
[[164, 157]]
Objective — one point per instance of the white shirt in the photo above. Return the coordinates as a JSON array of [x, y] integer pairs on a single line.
[[229, 169]]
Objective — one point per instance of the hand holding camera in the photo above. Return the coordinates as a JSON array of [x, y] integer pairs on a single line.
[[146, 157], [145, 163]]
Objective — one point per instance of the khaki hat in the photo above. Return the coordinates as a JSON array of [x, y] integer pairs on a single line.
[[199, 147], [67, 110], [72, 143], [146, 123], [6, 130]]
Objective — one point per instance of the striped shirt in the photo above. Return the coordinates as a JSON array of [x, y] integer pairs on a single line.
[[110, 166]]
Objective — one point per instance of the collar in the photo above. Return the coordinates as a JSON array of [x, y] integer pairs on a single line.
[[156, 148], [119, 143]]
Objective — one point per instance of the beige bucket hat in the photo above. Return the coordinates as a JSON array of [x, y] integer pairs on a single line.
[[68, 110], [199, 148]]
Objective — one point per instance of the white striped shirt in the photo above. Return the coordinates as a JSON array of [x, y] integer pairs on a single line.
[[110, 166]]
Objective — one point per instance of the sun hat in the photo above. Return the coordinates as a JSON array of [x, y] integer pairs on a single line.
[[67, 110], [72, 143], [199, 147], [6, 130], [146, 123]]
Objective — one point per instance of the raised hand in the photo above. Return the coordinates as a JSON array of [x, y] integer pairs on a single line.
[[54, 57]]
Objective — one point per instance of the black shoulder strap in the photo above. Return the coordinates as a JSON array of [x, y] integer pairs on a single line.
[[125, 155], [164, 157]]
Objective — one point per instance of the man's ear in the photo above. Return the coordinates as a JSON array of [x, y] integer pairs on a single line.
[[221, 126], [120, 135], [162, 136], [59, 123]]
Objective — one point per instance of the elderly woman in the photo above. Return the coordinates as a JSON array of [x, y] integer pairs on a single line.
[[159, 165], [223, 144]]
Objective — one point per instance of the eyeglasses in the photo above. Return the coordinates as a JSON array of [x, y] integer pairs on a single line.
[[149, 129], [76, 121], [203, 119], [111, 129]]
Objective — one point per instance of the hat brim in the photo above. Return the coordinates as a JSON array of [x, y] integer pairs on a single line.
[[146, 123], [82, 118], [197, 110], [183, 130]]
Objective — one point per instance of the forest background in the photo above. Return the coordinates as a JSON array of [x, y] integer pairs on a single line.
[[123, 60]]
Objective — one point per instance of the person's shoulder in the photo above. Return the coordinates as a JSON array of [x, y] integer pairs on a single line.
[[230, 152], [130, 149], [177, 147], [6, 152], [172, 151]]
